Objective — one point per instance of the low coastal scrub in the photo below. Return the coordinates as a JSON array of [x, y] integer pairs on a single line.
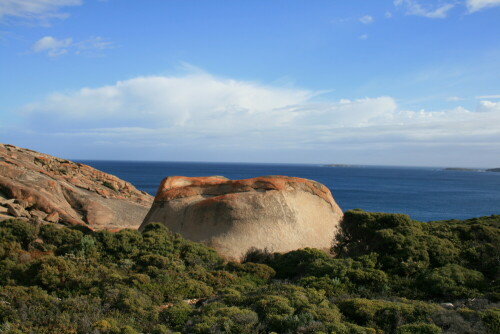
[[386, 274]]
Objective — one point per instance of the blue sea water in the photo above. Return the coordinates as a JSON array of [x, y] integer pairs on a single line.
[[423, 193]]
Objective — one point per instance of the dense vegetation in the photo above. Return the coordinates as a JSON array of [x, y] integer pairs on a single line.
[[387, 274]]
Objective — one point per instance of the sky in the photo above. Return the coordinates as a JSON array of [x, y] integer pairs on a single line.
[[404, 82]]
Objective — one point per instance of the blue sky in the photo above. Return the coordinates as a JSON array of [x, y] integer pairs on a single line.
[[363, 82]]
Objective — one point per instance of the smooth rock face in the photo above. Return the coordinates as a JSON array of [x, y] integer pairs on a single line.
[[277, 213], [42, 188]]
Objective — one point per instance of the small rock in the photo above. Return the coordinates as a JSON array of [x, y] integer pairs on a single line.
[[22, 203], [17, 210], [38, 214], [4, 201], [14, 209], [37, 221], [53, 217], [3, 209], [4, 217], [447, 305]]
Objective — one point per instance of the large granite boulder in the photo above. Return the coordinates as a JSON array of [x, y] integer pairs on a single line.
[[277, 213], [43, 188]]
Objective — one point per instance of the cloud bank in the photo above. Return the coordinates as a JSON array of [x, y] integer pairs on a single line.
[[199, 111]]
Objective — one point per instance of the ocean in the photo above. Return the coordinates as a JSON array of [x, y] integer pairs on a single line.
[[423, 193]]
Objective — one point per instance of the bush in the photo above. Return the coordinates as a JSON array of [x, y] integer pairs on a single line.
[[384, 314], [59, 236], [452, 281], [177, 315], [258, 270], [418, 328], [218, 318], [89, 282], [17, 230], [491, 320]]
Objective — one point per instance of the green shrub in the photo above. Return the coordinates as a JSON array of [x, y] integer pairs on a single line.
[[177, 315], [384, 314], [452, 281], [53, 273], [261, 271], [418, 328], [491, 320], [109, 185], [89, 282], [59, 236], [17, 230]]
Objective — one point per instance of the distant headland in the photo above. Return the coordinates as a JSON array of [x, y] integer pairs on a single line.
[[338, 165], [464, 169], [472, 169]]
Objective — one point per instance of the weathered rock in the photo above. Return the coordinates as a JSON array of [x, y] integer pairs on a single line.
[[4, 201], [52, 217], [7, 217], [448, 305], [38, 214], [73, 193], [16, 210], [277, 213]]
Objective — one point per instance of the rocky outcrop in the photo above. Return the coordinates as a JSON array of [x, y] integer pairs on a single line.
[[277, 213], [43, 188]]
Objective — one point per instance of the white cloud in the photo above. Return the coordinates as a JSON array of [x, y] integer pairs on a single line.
[[413, 7], [54, 47], [93, 44], [200, 109], [388, 15], [57, 47], [488, 97], [454, 98], [476, 5], [363, 37], [367, 19], [41, 11], [488, 106]]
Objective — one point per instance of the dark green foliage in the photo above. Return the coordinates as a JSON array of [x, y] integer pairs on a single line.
[[177, 315], [259, 270], [418, 328], [491, 320], [58, 236], [108, 185], [453, 281], [388, 274], [218, 318], [399, 241], [445, 259], [384, 314], [18, 231]]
